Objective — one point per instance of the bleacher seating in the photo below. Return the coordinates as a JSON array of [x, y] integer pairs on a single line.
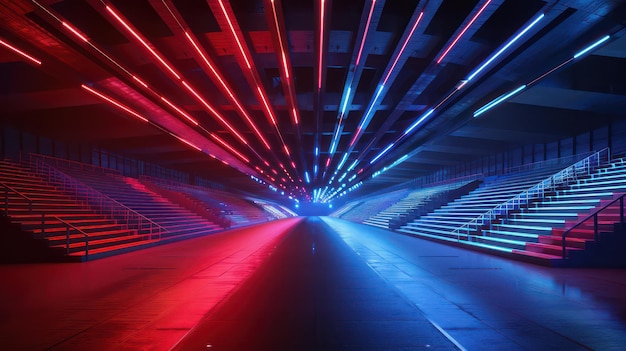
[[52, 211], [419, 202], [374, 205], [232, 210], [178, 221], [493, 191]]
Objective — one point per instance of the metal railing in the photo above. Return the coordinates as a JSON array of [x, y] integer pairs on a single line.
[[8, 189], [596, 225], [97, 201], [68, 228], [563, 177]]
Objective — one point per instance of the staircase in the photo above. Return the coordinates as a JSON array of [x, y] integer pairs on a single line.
[[374, 205], [537, 231], [72, 230], [442, 223], [419, 202]]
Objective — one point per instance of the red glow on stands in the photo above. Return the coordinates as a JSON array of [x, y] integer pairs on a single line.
[[76, 32], [232, 149], [328, 162], [266, 163], [419, 19], [367, 26], [232, 29], [462, 32], [274, 171], [114, 102], [180, 111], [20, 52], [131, 31], [228, 90], [140, 81], [293, 164], [321, 48], [215, 113]]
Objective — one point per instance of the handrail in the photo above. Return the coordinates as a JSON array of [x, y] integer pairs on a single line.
[[593, 215], [6, 198], [534, 192], [58, 160], [101, 202], [67, 236]]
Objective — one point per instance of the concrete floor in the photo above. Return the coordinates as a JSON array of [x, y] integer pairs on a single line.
[[310, 284]]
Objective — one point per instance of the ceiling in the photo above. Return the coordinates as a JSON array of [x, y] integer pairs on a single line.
[[310, 94]]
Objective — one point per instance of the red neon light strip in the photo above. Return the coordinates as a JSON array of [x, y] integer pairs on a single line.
[[232, 149], [186, 142], [180, 111], [114, 102], [404, 46], [462, 32], [367, 26], [356, 134], [131, 31], [232, 29], [140, 81], [219, 117], [228, 90], [20, 52], [76, 32], [266, 104], [321, 52], [280, 39]]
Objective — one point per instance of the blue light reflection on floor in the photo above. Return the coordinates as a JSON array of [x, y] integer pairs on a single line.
[[482, 300]]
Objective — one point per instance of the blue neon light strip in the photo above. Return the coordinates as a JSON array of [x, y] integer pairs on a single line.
[[382, 153], [306, 177], [508, 44], [591, 47], [418, 122], [343, 161], [497, 101]]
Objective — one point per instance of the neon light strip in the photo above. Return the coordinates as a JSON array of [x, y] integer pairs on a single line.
[[232, 28], [367, 26], [321, 48], [191, 119], [280, 40], [418, 122], [140, 81], [367, 117], [19, 52], [382, 153], [186, 142], [506, 46], [495, 102], [228, 90], [406, 41], [131, 31], [206, 104], [591, 47], [76, 32], [232, 149], [343, 161], [462, 32], [353, 165], [114, 102]]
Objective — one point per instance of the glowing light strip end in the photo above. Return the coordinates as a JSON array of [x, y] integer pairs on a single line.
[[497, 101], [591, 47], [382, 153], [20, 52], [114, 102]]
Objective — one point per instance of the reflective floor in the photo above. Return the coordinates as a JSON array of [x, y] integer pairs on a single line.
[[310, 284]]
